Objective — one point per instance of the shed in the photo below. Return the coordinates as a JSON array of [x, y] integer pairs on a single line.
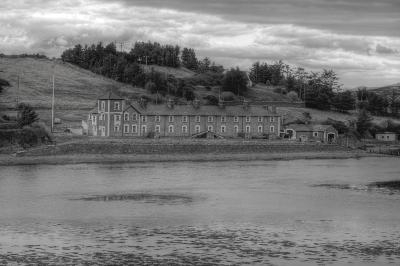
[[386, 136]]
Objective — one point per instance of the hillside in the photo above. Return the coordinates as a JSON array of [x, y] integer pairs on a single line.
[[387, 90], [76, 90]]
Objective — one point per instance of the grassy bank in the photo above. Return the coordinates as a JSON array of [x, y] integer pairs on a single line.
[[8, 160]]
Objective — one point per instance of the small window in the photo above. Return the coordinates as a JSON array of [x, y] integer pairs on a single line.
[[116, 106], [170, 118], [223, 119], [171, 129], [197, 119], [134, 129], [260, 119], [247, 129], [126, 128], [260, 129], [103, 105], [271, 119], [210, 119], [236, 119], [271, 129], [144, 118], [158, 129], [144, 129], [210, 128], [158, 118], [126, 117], [223, 129], [134, 117], [184, 119], [197, 129], [104, 116], [236, 128], [117, 118], [315, 134], [116, 128], [184, 129], [248, 119]]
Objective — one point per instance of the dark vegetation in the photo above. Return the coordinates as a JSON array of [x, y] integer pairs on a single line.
[[127, 66]]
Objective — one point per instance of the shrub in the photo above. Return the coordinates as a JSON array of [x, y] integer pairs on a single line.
[[293, 96]]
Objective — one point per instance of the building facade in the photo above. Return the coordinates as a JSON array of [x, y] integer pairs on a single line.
[[115, 117], [386, 136]]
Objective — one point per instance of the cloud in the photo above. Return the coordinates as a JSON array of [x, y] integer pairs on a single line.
[[315, 34], [380, 49]]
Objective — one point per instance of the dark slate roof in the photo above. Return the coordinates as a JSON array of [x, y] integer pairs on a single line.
[[110, 96], [310, 127], [204, 110]]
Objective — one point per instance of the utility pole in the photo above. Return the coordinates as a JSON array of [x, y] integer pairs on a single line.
[[52, 108], [17, 89]]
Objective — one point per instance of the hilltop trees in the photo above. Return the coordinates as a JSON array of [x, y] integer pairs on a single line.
[[235, 81], [189, 59]]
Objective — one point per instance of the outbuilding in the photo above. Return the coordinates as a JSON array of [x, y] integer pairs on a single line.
[[311, 132], [386, 136]]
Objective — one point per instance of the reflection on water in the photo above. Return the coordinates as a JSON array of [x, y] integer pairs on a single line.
[[267, 213]]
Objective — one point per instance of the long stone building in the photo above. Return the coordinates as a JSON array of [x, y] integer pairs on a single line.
[[115, 117]]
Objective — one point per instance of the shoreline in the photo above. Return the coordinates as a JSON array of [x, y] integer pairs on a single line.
[[81, 158]]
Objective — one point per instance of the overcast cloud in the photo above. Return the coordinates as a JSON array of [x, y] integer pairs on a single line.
[[359, 39]]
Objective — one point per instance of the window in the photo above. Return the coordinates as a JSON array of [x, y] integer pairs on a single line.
[[210, 128], [144, 129], [236, 119], [158, 118], [247, 129], [223, 119], [271, 119], [271, 129], [184, 119], [126, 117], [260, 119], [103, 105], [260, 129], [134, 117], [94, 119], [144, 118], [134, 129], [158, 129], [116, 106], [184, 129], [223, 129], [117, 118], [197, 129], [103, 116], [210, 119], [315, 134], [197, 119], [171, 129], [170, 119], [236, 128], [126, 128], [248, 119], [116, 128]]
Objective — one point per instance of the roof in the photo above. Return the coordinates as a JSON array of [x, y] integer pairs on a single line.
[[94, 111], [387, 132], [204, 110], [309, 127], [110, 96]]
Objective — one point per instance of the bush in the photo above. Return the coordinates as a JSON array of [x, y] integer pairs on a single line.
[[212, 100], [293, 96], [32, 135]]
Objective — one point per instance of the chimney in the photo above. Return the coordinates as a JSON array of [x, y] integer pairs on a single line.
[[170, 103], [143, 102], [221, 104], [196, 103], [246, 104]]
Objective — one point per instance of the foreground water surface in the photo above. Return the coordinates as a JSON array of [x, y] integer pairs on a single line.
[[302, 212]]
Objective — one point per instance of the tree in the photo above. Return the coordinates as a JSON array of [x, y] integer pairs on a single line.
[[344, 101], [26, 115], [235, 81], [363, 123], [189, 59]]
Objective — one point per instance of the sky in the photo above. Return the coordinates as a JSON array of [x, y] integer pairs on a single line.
[[358, 39]]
